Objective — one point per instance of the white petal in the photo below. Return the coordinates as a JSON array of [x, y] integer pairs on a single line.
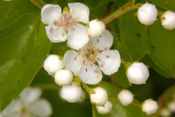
[[41, 108], [105, 41], [55, 35], [79, 11], [78, 38], [73, 61], [90, 74], [30, 95], [109, 61], [12, 109], [50, 13]]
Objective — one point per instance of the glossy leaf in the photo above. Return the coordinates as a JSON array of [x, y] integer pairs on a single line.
[[24, 46]]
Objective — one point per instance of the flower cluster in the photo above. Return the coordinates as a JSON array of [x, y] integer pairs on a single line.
[[89, 56], [28, 104]]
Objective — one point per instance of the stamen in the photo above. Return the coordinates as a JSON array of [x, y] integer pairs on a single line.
[[102, 65], [96, 71], [91, 64], [107, 56], [97, 40], [75, 23], [89, 45], [63, 34], [72, 28], [86, 69], [98, 59], [51, 30], [106, 49], [75, 58]]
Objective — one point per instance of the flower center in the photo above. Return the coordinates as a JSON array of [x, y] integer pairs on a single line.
[[66, 22], [89, 54]]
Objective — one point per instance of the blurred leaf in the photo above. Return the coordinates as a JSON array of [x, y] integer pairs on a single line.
[[165, 4], [24, 46], [118, 110]]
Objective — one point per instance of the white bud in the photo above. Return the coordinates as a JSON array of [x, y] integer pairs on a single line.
[[137, 73], [168, 20], [147, 14], [71, 93], [149, 106], [165, 112], [63, 77], [125, 97], [53, 63], [99, 96], [96, 28], [171, 106], [104, 109]]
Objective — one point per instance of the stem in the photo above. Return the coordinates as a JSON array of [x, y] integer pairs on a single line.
[[93, 111], [126, 64], [133, 2], [86, 88], [42, 2], [37, 4], [120, 12]]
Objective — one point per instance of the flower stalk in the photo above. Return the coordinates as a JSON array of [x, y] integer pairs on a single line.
[[120, 12]]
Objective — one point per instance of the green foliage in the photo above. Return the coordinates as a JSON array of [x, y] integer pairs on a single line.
[[24, 46]]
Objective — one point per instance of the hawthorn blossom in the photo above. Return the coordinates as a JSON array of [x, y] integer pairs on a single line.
[[67, 24], [83, 63], [28, 104]]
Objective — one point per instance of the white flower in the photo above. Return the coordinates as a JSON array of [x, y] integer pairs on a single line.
[[99, 96], [149, 106], [125, 97], [28, 104], [104, 109], [63, 77], [53, 63], [168, 20], [71, 93], [171, 106], [96, 28], [147, 14], [165, 112], [137, 73], [83, 62], [66, 25]]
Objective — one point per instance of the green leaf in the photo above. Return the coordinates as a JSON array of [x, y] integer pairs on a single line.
[[12, 10], [165, 4], [156, 42], [24, 46], [133, 110]]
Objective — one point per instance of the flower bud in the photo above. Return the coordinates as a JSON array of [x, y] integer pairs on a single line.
[[171, 106], [165, 112], [149, 106], [168, 20], [53, 63], [71, 93], [125, 97], [137, 73], [104, 109], [63, 77], [147, 14], [96, 28], [99, 96]]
